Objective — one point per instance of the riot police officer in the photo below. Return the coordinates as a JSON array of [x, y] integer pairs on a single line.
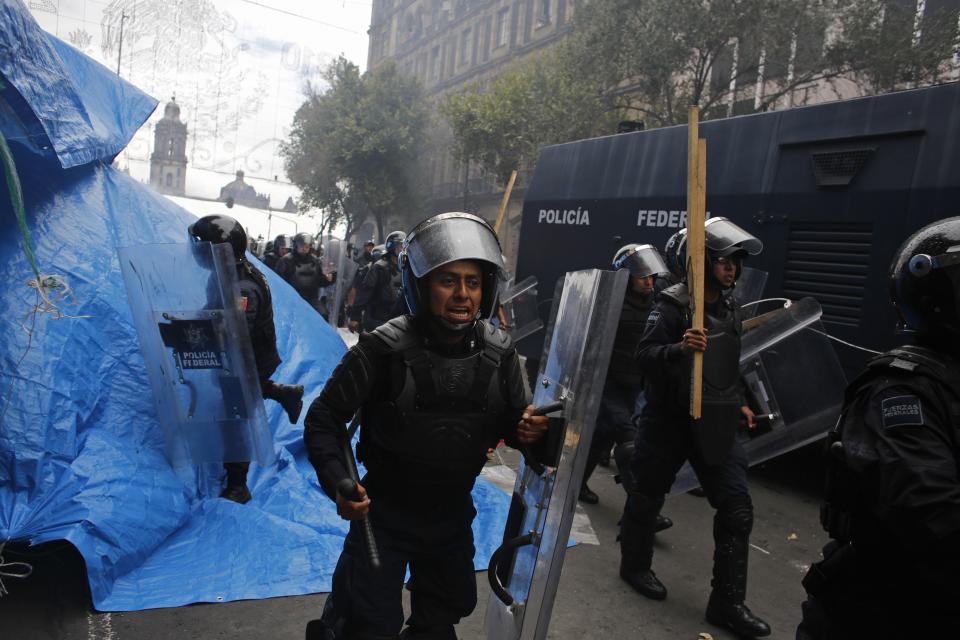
[[304, 271], [666, 436], [435, 390], [376, 300], [375, 254], [257, 304], [624, 378], [282, 245], [893, 473]]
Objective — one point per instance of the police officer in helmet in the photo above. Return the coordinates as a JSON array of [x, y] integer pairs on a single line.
[[377, 296], [435, 389], [304, 271], [892, 503], [624, 385], [282, 245], [257, 305], [666, 436]]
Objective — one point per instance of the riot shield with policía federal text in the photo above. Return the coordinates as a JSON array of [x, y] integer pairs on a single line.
[[525, 571], [186, 306], [793, 381]]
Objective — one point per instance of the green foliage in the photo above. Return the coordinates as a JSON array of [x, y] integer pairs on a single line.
[[652, 59], [503, 126], [354, 145], [658, 57]]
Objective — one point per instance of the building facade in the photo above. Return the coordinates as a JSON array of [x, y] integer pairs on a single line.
[[448, 45], [168, 162]]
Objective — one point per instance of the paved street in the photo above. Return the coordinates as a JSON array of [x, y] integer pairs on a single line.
[[592, 603]]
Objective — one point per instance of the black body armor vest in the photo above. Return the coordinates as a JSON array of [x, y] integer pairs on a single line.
[[305, 277], [445, 413], [716, 429], [624, 367]]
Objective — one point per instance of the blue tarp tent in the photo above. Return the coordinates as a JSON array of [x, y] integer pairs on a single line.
[[80, 446]]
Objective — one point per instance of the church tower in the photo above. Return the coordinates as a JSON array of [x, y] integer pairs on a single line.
[[168, 162]]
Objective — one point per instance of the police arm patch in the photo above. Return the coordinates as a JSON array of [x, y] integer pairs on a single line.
[[901, 410], [652, 320]]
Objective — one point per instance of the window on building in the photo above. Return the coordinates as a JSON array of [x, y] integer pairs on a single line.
[[503, 27], [169, 180], [543, 14], [435, 64], [464, 46]]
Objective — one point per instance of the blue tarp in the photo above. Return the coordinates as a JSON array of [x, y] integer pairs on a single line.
[[80, 446]]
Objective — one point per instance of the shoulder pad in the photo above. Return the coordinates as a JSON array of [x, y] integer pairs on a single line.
[[495, 337], [677, 294], [397, 334], [920, 360]]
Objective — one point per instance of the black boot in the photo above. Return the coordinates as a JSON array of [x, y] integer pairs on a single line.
[[289, 396], [731, 533], [636, 547], [662, 523], [238, 493], [587, 496], [236, 490]]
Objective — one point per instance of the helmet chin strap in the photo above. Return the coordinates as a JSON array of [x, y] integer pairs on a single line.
[[454, 327]]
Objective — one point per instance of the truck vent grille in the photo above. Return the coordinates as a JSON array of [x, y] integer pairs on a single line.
[[829, 263], [838, 168]]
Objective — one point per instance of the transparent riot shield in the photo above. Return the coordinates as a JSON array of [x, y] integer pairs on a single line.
[[519, 304], [185, 302], [793, 379], [749, 289], [525, 570], [338, 259]]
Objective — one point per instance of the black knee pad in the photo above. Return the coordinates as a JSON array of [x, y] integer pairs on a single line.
[[736, 515]]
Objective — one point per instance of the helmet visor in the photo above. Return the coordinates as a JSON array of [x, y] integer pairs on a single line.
[[724, 238], [643, 260], [449, 237]]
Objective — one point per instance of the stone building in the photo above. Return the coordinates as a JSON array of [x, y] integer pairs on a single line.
[[448, 44], [168, 162], [239, 192]]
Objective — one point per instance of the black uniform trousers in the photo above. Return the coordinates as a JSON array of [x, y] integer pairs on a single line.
[[614, 422], [436, 546], [662, 446]]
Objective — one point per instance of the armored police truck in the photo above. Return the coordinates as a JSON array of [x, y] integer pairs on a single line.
[[832, 190]]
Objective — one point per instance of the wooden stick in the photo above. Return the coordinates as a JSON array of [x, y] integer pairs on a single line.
[[503, 202], [696, 210]]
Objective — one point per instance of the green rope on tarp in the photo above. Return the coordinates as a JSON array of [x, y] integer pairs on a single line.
[[16, 199]]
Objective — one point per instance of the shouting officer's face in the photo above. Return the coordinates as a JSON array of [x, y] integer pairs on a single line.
[[456, 291]]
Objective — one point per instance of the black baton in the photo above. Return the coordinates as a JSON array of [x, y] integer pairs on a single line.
[[348, 489]]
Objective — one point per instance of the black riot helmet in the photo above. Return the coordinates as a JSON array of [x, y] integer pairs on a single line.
[[301, 240], [925, 281], [675, 252], [394, 242], [446, 238], [378, 252], [641, 259], [219, 229], [283, 241], [724, 239]]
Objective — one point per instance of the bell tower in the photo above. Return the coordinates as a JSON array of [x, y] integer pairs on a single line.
[[168, 162]]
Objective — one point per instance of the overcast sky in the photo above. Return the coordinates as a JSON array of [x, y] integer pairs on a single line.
[[236, 67]]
